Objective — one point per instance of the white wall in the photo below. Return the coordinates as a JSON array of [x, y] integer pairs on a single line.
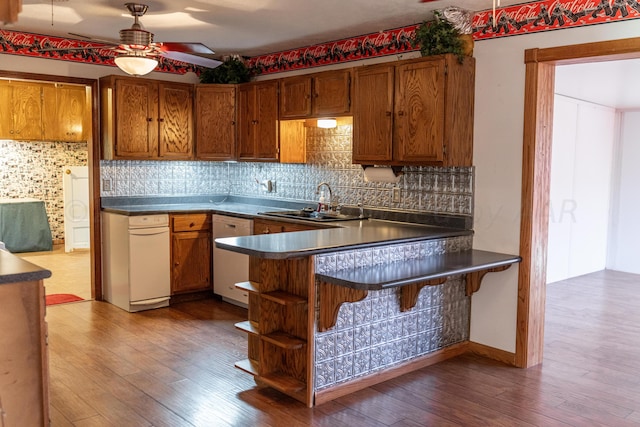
[[581, 168], [499, 107], [625, 228]]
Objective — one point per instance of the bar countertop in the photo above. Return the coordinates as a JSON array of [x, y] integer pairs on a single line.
[[14, 269]]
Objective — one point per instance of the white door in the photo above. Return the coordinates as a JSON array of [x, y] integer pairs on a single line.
[[75, 185]]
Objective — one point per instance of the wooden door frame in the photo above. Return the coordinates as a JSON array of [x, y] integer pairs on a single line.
[[536, 165], [93, 162]]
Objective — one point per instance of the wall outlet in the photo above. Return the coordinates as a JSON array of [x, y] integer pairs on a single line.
[[106, 184], [395, 197], [267, 185]]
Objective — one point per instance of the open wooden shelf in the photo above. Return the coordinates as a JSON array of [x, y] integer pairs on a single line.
[[248, 286], [249, 366], [284, 340], [283, 382], [248, 327], [283, 297]]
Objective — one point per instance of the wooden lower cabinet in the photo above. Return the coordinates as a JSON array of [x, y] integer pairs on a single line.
[[24, 372], [280, 325], [190, 253]]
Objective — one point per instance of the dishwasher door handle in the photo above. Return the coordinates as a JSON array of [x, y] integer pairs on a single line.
[[148, 231]]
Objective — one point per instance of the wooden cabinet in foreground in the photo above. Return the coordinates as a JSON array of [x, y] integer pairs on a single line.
[[146, 119], [258, 121], [190, 253], [215, 122], [414, 112]]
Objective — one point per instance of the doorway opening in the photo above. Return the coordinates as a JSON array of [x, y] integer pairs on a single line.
[[537, 144]]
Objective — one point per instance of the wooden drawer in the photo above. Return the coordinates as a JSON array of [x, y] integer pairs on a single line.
[[261, 226], [190, 222]]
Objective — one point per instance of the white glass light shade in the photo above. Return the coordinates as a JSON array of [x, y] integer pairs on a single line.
[[136, 65], [327, 123]]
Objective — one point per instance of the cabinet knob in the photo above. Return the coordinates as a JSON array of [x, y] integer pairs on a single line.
[[68, 171], [160, 120], [266, 231], [192, 224], [388, 114], [401, 113], [233, 123], [11, 131], [149, 119]]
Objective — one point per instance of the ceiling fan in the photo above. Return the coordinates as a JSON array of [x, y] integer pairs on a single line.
[[137, 51]]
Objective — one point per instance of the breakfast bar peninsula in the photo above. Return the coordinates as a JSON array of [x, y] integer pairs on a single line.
[[335, 310]]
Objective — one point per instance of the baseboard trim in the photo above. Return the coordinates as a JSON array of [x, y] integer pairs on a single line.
[[492, 353]]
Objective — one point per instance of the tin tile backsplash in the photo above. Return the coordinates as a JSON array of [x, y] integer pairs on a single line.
[[373, 334], [35, 169], [422, 189]]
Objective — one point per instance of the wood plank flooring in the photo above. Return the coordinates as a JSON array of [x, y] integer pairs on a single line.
[[174, 367]]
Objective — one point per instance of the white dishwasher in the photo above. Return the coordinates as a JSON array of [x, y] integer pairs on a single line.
[[137, 265], [229, 267]]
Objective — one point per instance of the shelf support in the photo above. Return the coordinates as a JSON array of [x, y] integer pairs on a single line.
[[474, 279], [409, 293], [331, 298]]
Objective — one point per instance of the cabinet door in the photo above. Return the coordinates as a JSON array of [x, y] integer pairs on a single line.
[[258, 121], [135, 115], [191, 262], [216, 122], [246, 121], [175, 121], [64, 109], [295, 97], [6, 107], [27, 111], [332, 93], [266, 135], [419, 112], [373, 114]]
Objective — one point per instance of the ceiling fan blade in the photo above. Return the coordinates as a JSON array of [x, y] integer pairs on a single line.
[[107, 41], [195, 48], [192, 59]]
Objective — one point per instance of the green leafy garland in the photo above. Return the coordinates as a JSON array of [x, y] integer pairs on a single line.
[[231, 71], [438, 37]]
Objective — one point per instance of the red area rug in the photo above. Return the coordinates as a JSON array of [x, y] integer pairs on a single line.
[[62, 298]]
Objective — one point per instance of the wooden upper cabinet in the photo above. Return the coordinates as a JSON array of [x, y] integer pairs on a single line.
[[65, 113], [316, 95], [415, 112], [21, 104], [373, 114], [332, 93], [295, 97], [258, 121], [146, 119], [175, 120], [216, 122]]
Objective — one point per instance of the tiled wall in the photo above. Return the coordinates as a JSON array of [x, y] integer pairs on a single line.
[[424, 189], [373, 334], [35, 169]]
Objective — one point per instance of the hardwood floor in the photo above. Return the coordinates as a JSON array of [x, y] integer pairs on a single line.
[[71, 271], [174, 367]]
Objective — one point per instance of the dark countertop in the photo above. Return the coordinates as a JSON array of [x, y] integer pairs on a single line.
[[14, 269], [349, 234], [419, 270], [342, 235]]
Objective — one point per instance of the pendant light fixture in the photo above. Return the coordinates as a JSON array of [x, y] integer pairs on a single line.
[[136, 65]]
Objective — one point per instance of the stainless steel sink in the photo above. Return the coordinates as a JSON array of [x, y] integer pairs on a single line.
[[311, 215]]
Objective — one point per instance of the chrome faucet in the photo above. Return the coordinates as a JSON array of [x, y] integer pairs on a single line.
[[330, 203]]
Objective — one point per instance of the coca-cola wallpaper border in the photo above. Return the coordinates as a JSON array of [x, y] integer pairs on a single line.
[[524, 18]]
